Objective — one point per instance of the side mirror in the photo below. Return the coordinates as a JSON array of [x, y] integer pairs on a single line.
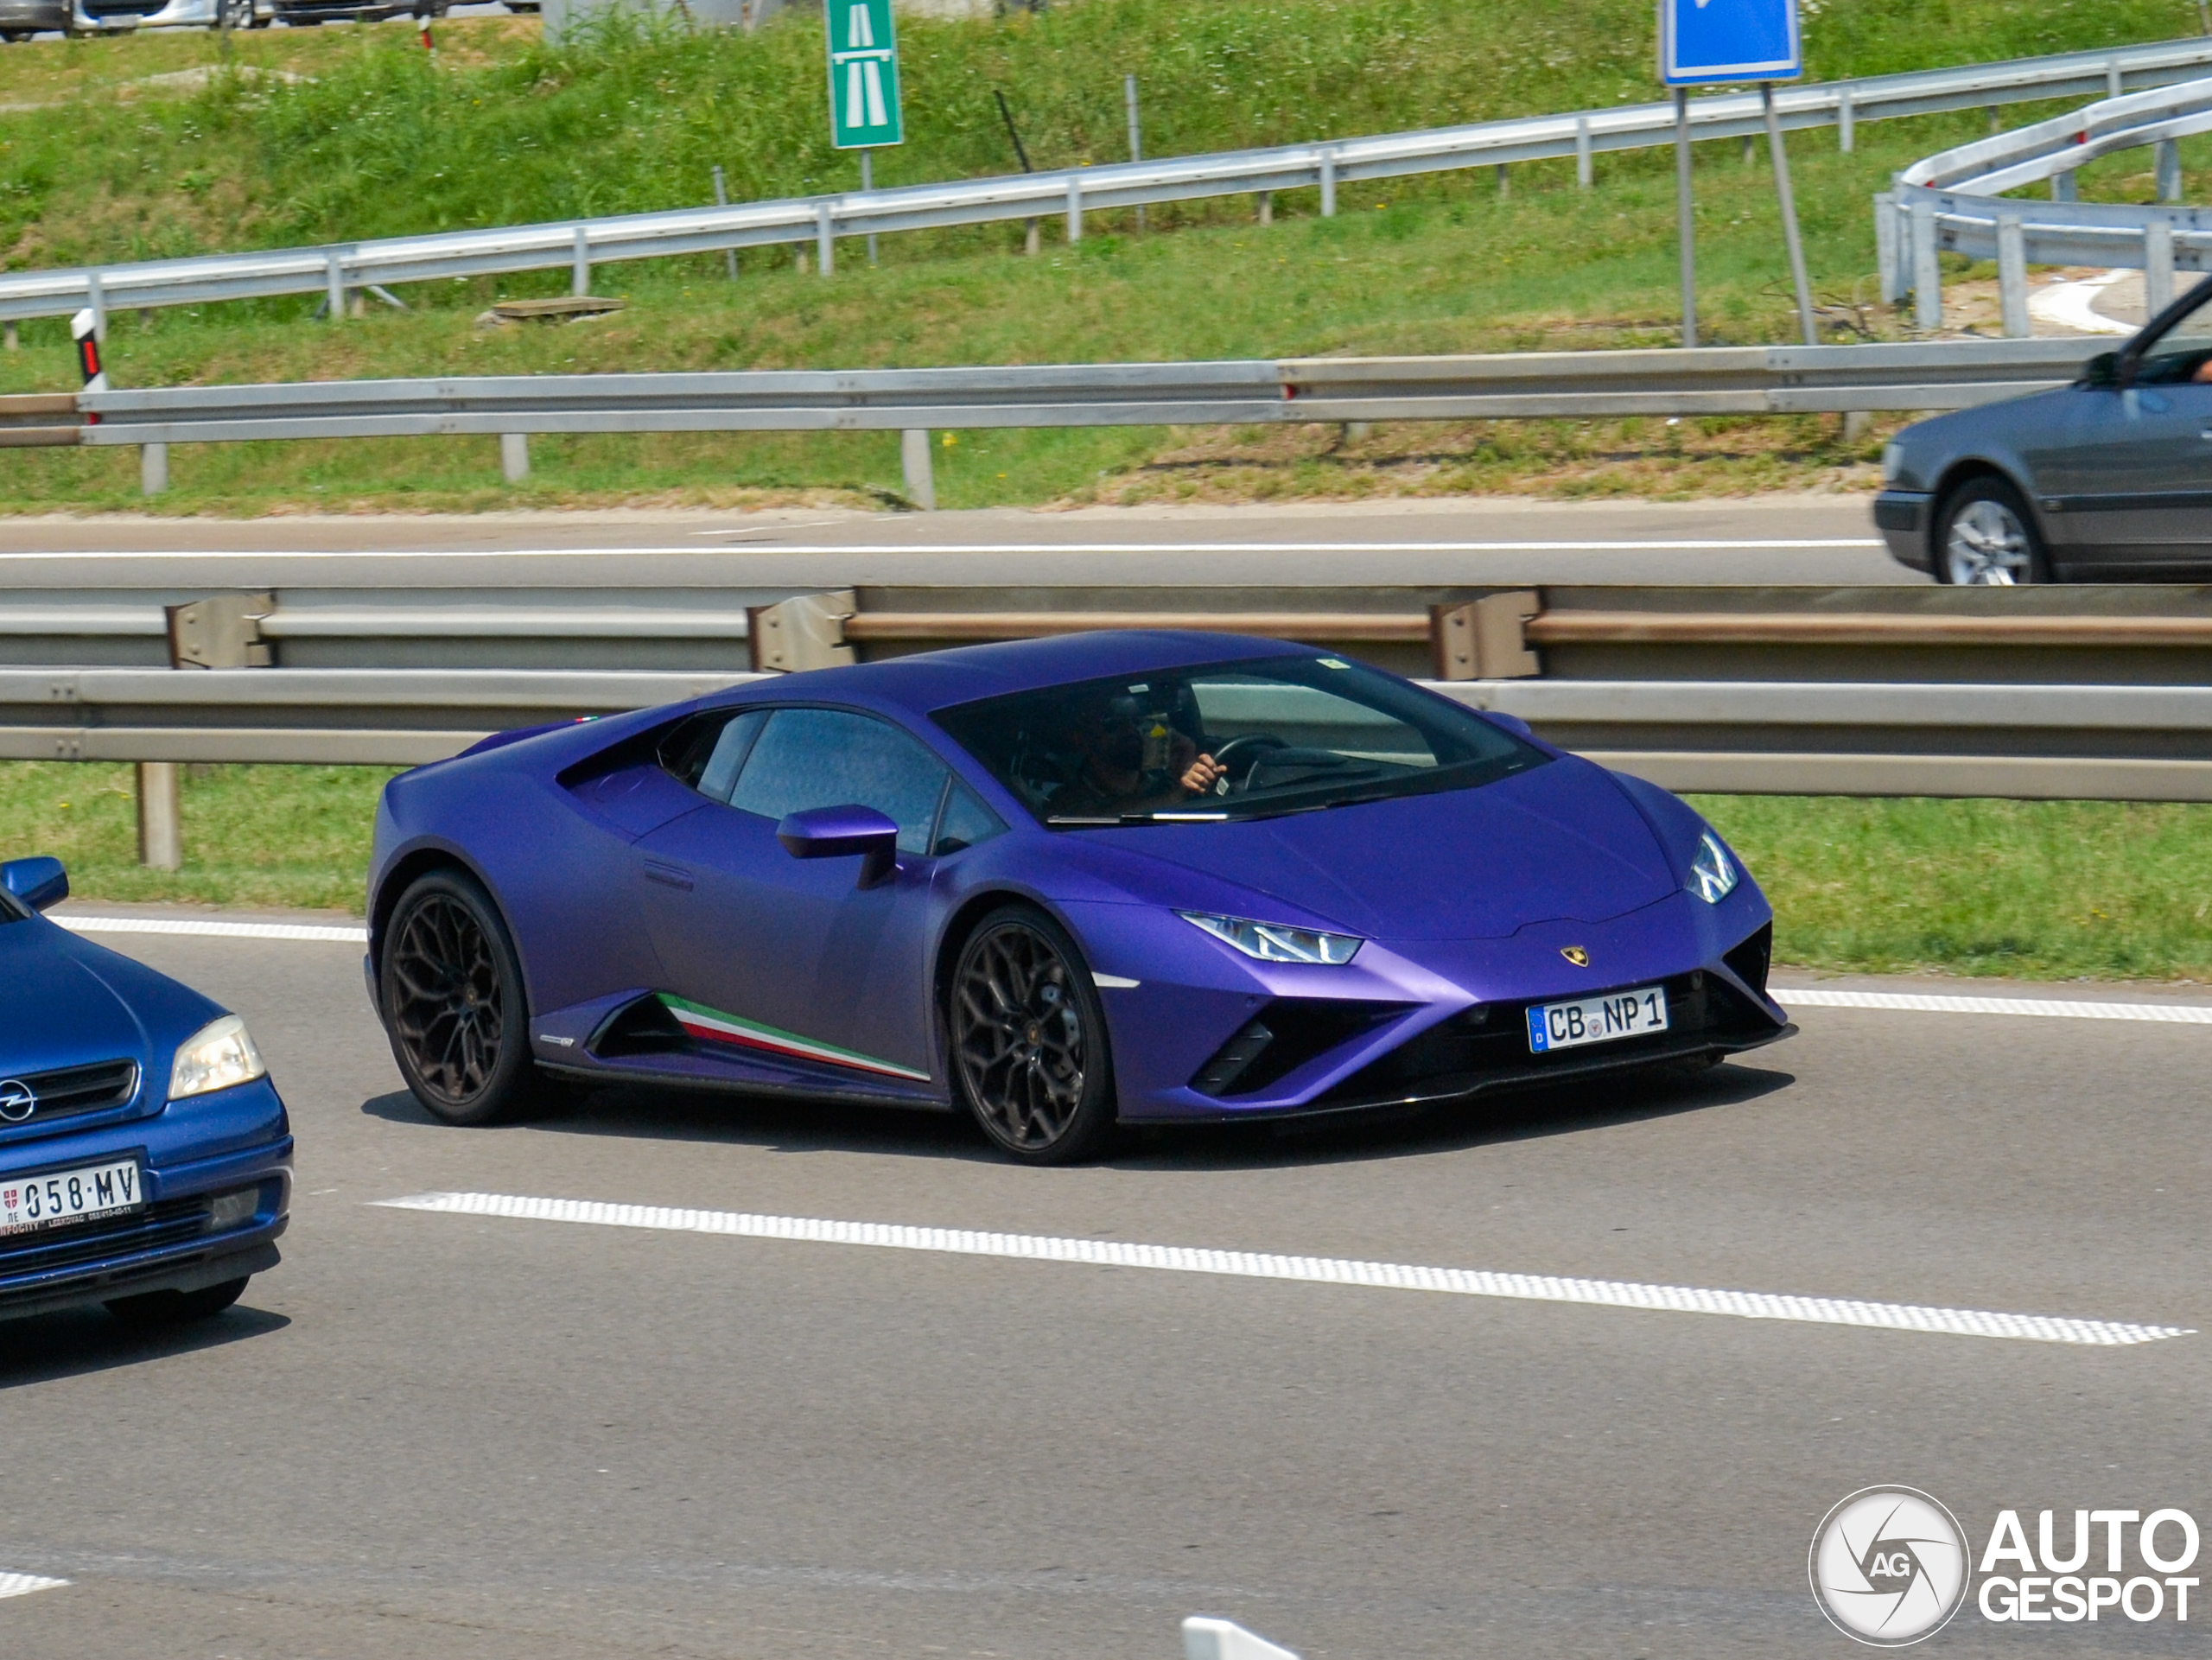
[[841, 833], [2102, 369], [37, 882]]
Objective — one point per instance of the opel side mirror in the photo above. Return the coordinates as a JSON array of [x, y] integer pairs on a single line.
[[37, 882], [841, 833], [2102, 369]]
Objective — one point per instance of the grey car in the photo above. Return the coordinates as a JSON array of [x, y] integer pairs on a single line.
[[2107, 480]]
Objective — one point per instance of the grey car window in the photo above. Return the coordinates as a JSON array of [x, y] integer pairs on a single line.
[[830, 758], [966, 821], [2184, 351], [729, 753]]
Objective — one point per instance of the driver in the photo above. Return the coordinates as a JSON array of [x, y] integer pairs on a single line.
[[1131, 762]]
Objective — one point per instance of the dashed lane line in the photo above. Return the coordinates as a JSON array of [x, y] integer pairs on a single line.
[[1317, 1270], [2064, 1008], [22, 1585]]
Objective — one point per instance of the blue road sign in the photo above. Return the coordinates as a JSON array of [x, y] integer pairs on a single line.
[[1702, 41]]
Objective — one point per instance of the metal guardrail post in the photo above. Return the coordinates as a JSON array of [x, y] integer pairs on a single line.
[[2065, 187], [825, 244], [160, 816], [1846, 131], [580, 262], [721, 199], [915, 463], [96, 297], [2158, 266], [1885, 247], [153, 470], [1927, 267], [1075, 209], [2168, 169], [333, 287], [1328, 184], [514, 456], [1585, 163], [2013, 278]]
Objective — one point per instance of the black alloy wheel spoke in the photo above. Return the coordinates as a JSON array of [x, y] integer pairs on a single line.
[[446, 995], [1019, 1036]]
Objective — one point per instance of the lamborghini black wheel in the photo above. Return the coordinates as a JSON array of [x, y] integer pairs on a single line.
[[1028, 1040], [450, 990]]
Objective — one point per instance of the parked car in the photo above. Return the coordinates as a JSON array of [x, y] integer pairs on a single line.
[[145, 1158], [2109, 479], [1057, 884]]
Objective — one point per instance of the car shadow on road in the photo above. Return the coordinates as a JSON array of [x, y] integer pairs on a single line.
[[778, 1124], [47, 1347]]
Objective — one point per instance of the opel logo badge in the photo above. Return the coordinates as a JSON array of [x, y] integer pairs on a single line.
[[17, 1100], [1576, 954]]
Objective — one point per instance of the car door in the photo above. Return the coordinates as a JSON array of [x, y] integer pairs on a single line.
[[792, 962], [2132, 473]]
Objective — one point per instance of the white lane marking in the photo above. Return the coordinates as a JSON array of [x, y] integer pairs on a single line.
[[1676, 544], [766, 530], [22, 1585], [355, 935], [1319, 1270], [1114, 982], [2052, 1007]]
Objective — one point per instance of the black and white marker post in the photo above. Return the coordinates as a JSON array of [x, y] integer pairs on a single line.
[[1702, 42], [84, 328]]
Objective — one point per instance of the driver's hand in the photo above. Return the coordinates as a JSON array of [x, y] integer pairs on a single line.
[[1202, 775]]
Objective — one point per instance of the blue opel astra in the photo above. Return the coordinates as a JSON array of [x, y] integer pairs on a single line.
[[145, 1158]]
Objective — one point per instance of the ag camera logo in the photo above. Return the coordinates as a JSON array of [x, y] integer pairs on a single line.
[[1888, 1566]]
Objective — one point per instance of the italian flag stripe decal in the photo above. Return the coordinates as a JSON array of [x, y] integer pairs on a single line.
[[713, 1026]]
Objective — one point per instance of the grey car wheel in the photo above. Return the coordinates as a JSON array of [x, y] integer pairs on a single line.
[[1989, 540], [236, 13]]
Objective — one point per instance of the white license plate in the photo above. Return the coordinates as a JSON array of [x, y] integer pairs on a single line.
[[1596, 1019], [61, 1197]]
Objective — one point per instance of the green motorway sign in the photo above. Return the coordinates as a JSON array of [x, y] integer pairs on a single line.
[[863, 74]]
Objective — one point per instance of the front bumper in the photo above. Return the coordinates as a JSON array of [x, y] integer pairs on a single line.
[[218, 1143], [1902, 517], [1203, 1036]]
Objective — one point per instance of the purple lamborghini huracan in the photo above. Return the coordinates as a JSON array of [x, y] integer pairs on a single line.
[[1061, 884]]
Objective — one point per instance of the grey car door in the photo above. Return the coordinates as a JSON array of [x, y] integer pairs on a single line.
[[2131, 483]]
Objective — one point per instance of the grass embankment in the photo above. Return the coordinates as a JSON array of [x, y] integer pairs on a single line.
[[2038, 890], [369, 136]]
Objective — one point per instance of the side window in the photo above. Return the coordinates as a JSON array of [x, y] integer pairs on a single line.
[[828, 758], [965, 821], [706, 751]]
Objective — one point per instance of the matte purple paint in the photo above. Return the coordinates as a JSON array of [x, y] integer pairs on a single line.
[[617, 883]]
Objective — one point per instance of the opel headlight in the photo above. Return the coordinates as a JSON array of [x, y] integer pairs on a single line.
[[1274, 942], [1892, 461], [217, 1056], [1712, 873]]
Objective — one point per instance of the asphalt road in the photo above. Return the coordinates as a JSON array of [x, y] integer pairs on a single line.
[[1818, 539], [449, 1435]]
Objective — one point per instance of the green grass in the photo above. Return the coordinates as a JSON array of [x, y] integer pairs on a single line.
[[290, 836], [2034, 890], [373, 137]]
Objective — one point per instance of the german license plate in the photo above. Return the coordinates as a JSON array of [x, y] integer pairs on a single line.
[[1596, 1019], [61, 1197]]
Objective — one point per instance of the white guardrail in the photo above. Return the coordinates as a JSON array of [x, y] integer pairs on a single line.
[[1730, 737], [336, 269], [1954, 201], [1712, 380]]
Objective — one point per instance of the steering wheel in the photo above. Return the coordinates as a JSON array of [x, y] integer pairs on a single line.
[[1249, 747]]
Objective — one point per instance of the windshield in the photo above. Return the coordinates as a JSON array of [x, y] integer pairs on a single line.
[[1241, 739], [2184, 351]]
